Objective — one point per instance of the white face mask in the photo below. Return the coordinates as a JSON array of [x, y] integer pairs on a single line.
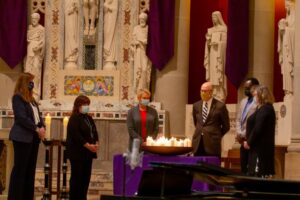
[[255, 99], [85, 109], [145, 102]]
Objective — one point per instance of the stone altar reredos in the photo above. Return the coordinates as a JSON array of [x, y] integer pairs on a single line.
[[54, 76]]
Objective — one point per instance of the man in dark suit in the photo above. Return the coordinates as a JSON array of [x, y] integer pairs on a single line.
[[247, 108], [212, 122]]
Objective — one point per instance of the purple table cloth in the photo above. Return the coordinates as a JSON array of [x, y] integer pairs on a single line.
[[126, 181]]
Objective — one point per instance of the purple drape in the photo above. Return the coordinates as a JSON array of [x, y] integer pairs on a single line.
[[160, 48], [13, 31], [236, 67]]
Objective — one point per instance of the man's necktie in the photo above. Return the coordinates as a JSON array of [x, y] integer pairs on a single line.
[[204, 111]]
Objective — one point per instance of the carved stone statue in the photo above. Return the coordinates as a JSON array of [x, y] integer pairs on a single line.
[[286, 46], [71, 34], [110, 23], [215, 53], [90, 12], [35, 51], [141, 63]]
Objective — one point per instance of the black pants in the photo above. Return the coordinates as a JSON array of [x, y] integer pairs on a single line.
[[201, 151], [244, 159], [80, 178], [21, 186]]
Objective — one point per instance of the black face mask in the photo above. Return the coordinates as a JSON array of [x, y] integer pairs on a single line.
[[30, 85], [247, 92]]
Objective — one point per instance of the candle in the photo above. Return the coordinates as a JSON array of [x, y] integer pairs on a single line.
[[65, 124], [149, 141], [48, 126]]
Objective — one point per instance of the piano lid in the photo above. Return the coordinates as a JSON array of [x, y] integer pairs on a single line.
[[236, 181]]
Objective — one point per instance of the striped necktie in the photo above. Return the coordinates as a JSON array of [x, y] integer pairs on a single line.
[[204, 111]]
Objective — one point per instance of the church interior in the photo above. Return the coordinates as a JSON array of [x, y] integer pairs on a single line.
[[109, 49]]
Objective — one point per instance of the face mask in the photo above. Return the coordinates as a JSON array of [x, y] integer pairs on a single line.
[[205, 96], [247, 92], [255, 99], [145, 102], [85, 109], [30, 85]]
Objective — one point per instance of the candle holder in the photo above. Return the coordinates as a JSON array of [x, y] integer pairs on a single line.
[[64, 195], [47, 168]]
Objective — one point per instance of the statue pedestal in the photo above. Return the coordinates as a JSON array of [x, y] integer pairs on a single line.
[[70, 65], [109, 66], [285, 121], [292, 170]]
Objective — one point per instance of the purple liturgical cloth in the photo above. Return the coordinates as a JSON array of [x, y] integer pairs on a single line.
[[126, 181], [236, 67], [160, 47], [13, 31]]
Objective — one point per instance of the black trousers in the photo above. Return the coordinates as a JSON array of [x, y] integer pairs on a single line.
[[80, 178], [244, 156], [21, 186], [201, 151]]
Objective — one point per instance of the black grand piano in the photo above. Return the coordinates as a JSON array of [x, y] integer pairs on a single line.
[[171, 181]]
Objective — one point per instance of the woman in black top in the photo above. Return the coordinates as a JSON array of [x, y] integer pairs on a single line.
[[82, 146], [260, 133]]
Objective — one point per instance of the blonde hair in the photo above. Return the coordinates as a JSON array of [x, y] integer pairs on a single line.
[[143, 91], [264, 95], [22, 87]]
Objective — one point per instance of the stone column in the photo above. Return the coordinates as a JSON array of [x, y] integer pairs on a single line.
[[261, 40], [292, 158], [9, 163], [172, 82], [4, 133]]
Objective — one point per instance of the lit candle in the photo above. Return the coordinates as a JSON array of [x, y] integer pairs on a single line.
[[149, 141], [65, 124], [48, 126]]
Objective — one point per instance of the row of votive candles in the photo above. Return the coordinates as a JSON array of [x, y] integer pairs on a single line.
[[172, 142], [48, 127]]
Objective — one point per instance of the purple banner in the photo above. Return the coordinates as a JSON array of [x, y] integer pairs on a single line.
[[236, 67], [160, 48], [13, 31]]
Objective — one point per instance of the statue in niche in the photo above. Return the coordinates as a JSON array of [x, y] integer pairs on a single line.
[[35, 52], [110, 23], [141, 63], [90, 12], [71, 34], [215, 53], [286, 46]]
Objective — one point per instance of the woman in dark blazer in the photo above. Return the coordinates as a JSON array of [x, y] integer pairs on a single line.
[[142, 120], [260, 134], [82, 146], [27, 131]]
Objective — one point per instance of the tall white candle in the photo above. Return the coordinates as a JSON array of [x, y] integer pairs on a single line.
[[65, 125], [48, 126]]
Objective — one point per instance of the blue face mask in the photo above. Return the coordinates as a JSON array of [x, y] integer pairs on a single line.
[[145, 102], [85, 109]]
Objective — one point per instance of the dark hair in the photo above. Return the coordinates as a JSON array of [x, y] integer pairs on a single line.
[[22, 87], [253, 81], [79, 101]]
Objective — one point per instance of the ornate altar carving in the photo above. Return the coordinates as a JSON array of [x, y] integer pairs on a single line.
[[91, 50]]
